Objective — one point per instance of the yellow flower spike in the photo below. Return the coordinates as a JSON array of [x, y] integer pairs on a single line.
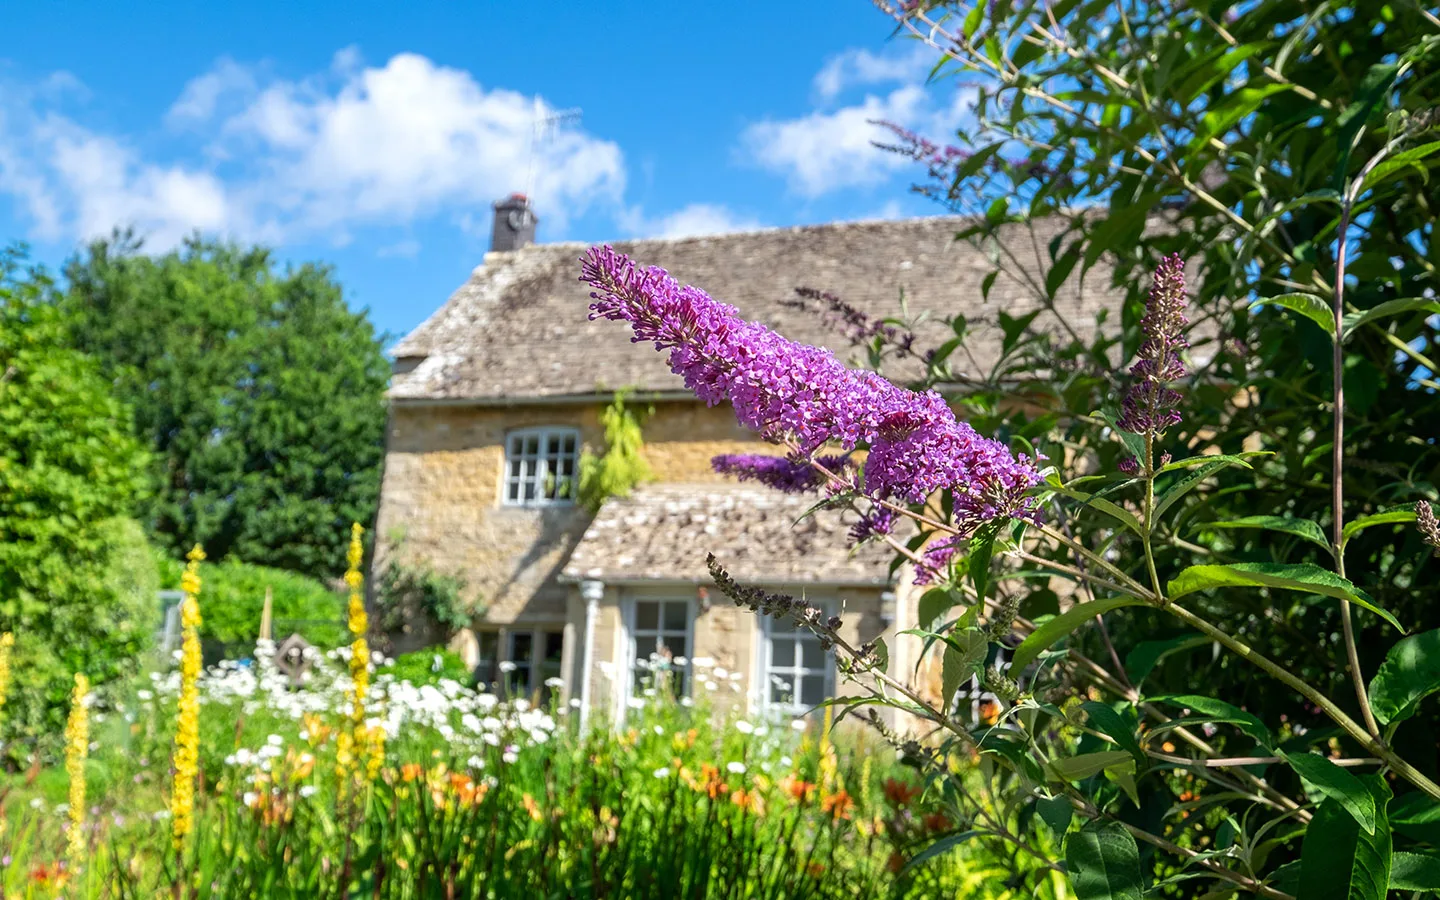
[[7, 646], [187, 715], [367, 743], [77, 748]]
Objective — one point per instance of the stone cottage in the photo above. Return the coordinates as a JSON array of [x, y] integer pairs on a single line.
[[497, 393]]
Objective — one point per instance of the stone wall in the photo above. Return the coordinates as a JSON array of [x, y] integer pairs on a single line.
[[440, 499]]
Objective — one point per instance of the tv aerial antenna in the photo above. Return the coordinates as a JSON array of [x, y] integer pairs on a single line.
[[543, 126]]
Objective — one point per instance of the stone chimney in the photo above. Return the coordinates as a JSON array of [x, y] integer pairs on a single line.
[[514, 224]]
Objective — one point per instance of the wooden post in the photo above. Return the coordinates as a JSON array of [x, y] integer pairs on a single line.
[[265, 614]]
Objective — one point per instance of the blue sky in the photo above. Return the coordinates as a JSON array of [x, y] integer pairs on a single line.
[[375, 137]]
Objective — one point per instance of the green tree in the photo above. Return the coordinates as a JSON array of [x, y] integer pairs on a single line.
[[260, 391], [77, 581]]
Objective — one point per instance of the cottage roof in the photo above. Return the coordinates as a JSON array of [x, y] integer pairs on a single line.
[[662, 532], [519, 328]]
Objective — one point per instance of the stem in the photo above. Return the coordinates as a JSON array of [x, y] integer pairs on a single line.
[[1303, 688], [1337, 479], [1147, 522]]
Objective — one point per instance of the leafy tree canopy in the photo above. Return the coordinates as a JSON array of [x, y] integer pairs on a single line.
[[77, 582], [260, 391]]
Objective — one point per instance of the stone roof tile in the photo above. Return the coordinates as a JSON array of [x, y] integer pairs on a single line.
[[519, 328], [662, 533]]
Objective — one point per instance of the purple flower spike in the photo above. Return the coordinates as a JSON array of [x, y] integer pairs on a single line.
[[789, 391], [1150, 404], [783, 473]]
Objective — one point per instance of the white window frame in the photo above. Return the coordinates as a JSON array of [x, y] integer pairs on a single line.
[[535, 664], [798, 669], [514, 441], [633, 634]]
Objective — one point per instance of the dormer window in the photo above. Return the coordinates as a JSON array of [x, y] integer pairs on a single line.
[[540, 466]]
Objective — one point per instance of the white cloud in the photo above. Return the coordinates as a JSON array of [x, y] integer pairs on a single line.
[[858, 66], [695, 220], [411, 139], [408, 248], [316, 157], [832, 147], [202, 96]]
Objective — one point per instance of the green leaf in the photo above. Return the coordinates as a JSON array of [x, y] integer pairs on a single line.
[[1213, 710], [1104, 863], [1236, 459], [933, 605], [1417, 816], [961, 658], [1303, 528], [942, 846], [1415, 872], [1389, 517], [1113, 724], [1389, 308], [1397, 162], [981, 546], [1289, 576], [1056, 812], [1307, 305], [972, 21], [1409, 674], [1118, 513], [1338, 860], [1188, 483], [1337, 784], [1143, 658], [1047, 634], [1078, 768]]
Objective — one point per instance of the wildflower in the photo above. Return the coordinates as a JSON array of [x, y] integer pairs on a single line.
[[735, 768], [878, 522], [1424, 520], [790, 391], [367, 743], [936, 559], [662, 773], [187, 718], [749, 801], [77, 746], [308, 790], [788, 474], [744, 727], [411, 771], [935, 821], [1150, 404], [900, 793], [532, 808], [837, 805], [798, 789], [7, 646]]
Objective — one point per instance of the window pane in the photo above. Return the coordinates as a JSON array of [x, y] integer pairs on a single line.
[[521, 645], [782, 626], [782, 653], [554, 645], [532, 445], [647, 616], [812, 656], [812, 690], [675, 616], [512, 490], [676, 645]]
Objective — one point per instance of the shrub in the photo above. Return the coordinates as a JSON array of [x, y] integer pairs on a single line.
[[430, 667], [76, 587], [234, 596]]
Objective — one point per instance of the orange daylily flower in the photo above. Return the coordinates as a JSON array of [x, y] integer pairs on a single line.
[[900, 793]]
